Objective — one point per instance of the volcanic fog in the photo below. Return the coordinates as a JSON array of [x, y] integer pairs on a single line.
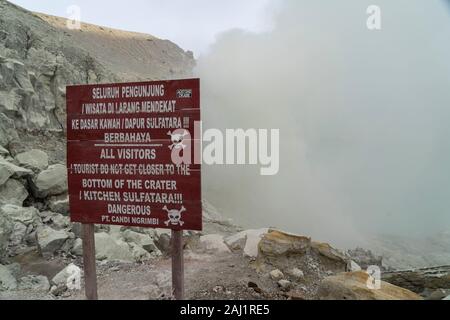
[[363, 117]]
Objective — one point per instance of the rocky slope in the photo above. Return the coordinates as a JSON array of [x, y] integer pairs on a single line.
[[132, 56], [39, 57], [40, 250]]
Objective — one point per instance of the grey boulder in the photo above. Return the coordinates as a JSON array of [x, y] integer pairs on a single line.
[[142, 240], [8, 131], [34, 283], [69, 276], [33, 159], [20, 214], [77, 248], [8, 169], [50, 240], [59, 204], [51, 182], [6, 229], [4, 152], [109, 248], [7, 280], [13, 192], [23, 221]]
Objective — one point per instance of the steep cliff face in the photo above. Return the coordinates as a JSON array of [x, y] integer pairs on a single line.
[[39, 57]]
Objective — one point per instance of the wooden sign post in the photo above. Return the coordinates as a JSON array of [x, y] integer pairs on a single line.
[[177, 265], [90, 268], [133, 160]]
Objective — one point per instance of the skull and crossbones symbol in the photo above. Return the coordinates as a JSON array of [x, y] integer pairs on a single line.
[[174, 216], [177, 139]]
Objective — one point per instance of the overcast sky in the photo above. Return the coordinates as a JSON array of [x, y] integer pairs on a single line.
[[191, 24]]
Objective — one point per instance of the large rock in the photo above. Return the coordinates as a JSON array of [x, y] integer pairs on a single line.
[[296, 274], [13, 192], [8, 169], [7, 280], [50, 240], [439, 294], [214, 243], [3, 152], [31, 109], [6, 229], [20, 214], [51, 182], [277, 243], [139, 253], [8, 131], [285, 251], [109, 248], [162, 241], [77, 248], [69, 276], [142, 240], [55, 220], [353, 266], [34, 159], [276, 275], [420, 280], [354, 286], [327, 251], [59, 204], [247, 241], [23, 221], [34, 283]]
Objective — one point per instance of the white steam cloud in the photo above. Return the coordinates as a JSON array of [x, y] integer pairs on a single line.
[[364, 118]]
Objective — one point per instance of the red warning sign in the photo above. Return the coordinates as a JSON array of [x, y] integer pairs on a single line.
[[124, 145]]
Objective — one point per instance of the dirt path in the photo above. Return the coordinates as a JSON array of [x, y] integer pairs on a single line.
[[207, 276]]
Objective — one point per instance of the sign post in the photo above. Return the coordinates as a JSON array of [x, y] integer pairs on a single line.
[[133, 160], [177, 265], [90, 272]]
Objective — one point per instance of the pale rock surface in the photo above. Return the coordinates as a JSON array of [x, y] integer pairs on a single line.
[[23, 221], [276, 275], [139, 253], [297, 274], [109, 248], [50, 240], [59, 204], [353, 266], [247, 241], [354, 286], [13, 192], [142, 240], [8, 169], [3, 152], [51, 182], [7, 280], [69, 276], [34, 283], [215, 243], [8, 131], [34, 159], [77, 248], [6, 229]]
